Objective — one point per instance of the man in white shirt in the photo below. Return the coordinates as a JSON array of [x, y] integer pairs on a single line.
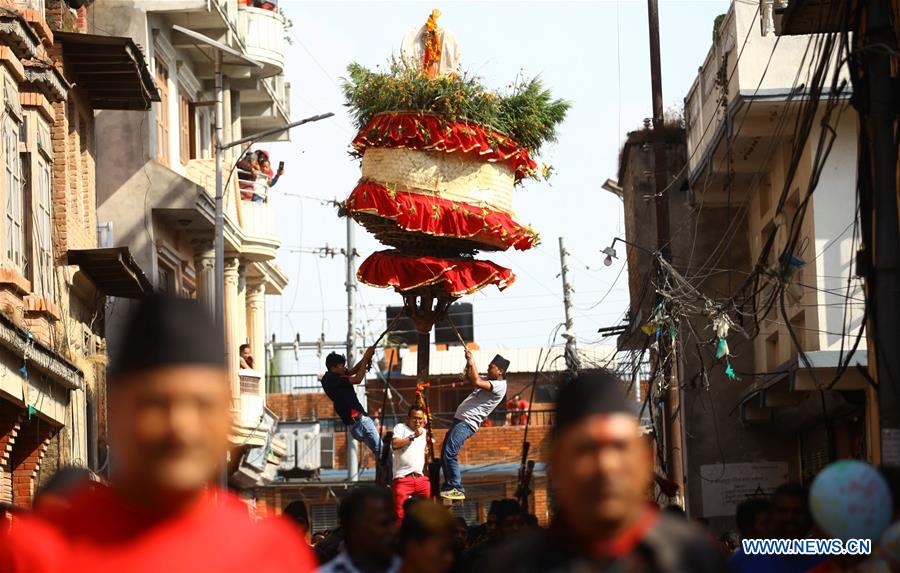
[[409, 460], [469, 416]]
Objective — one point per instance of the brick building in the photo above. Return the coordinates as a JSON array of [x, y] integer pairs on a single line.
[[52, 332], [490, 460]]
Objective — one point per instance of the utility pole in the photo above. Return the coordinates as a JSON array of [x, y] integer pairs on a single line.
[[350, 254], [571, 350], [878, 178], [666, 357]]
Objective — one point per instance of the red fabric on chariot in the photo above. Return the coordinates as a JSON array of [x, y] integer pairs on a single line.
[[439, 217], [457, 277], [431, 133]]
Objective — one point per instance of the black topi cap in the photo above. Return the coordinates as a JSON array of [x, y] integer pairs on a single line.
[[589, 393], [501, 363], [167, 331]]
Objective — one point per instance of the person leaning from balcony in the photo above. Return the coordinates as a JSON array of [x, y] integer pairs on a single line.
[[246, 357], [170, 424], [248, 170], [265, 165], [601, 468], [409, 460], [469, 416], [338, 385]]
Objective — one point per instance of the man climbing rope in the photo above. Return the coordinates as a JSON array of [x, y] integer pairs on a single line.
[[470, 414], [338, 384]]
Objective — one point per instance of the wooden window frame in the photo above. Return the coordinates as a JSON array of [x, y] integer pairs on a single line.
[[14, 193], [186, 126], [161, 75]]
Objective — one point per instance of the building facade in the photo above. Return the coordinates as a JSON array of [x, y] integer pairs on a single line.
[[744, 201], [157, 181], [52, 329]]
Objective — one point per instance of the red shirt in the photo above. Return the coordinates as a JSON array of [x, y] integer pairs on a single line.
[[102, 533]]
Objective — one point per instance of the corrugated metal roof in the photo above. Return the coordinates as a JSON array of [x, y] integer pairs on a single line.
[[521, 360]]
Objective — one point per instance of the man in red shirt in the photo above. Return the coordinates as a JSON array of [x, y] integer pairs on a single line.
[[169, 425]]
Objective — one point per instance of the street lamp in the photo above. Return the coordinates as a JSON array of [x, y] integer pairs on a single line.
[[610, 251], [221, 50]]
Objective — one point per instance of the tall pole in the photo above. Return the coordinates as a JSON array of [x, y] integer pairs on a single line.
[[352, 444], [672, 410], [880, 182], [571, 350], [219, 242]]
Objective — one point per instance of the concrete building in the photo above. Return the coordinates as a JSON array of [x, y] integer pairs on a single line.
[[156, 177], [738, 153], [52, 338]]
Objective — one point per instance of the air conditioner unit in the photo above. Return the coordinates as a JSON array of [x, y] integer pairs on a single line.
[[303, 449]]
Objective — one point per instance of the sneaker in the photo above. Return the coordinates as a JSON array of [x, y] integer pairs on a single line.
[[453, 494]]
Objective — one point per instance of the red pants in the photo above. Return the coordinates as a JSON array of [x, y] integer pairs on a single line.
[[407, 487]]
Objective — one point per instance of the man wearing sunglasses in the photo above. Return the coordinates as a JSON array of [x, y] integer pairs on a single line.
[[409, 460]]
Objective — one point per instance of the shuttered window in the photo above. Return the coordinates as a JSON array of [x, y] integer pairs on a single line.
[[185, 127], [323, 516], [162, 111]]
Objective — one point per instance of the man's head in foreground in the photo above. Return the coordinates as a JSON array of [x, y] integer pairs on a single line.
[[427, 537], [367, 519], [600, 465], [789, 512], [752, 517], [169, 401]]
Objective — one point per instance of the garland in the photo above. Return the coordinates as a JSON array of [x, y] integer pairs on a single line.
[[457, 277], [430, 133], [439, 217]]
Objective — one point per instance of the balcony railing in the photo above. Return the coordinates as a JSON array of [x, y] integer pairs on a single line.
[[263, 34]]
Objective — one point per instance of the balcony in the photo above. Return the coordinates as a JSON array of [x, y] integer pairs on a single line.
[[741, 94], [263, 34], [258, 219]]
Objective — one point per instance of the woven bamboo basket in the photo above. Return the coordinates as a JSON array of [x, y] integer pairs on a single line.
[[452, 176]]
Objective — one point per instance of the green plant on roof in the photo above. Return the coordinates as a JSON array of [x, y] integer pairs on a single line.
[[527, 112]]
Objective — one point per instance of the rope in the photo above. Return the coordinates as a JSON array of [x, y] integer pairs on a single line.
[[453, 326], [389, 328]]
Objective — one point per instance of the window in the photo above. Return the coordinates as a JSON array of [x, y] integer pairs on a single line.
[[188, 282], [186, 145], [162, 111], [326, 450], [205, 133], [165, 279], [323, 516], [43, 227], [15, 200]]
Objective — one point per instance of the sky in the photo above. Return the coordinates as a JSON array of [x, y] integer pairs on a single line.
[[594, 54]]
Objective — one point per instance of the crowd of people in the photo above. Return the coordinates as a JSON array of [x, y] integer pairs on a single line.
[[160, 510]]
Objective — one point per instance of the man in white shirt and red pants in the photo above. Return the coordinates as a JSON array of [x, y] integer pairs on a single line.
[[409, 460]]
